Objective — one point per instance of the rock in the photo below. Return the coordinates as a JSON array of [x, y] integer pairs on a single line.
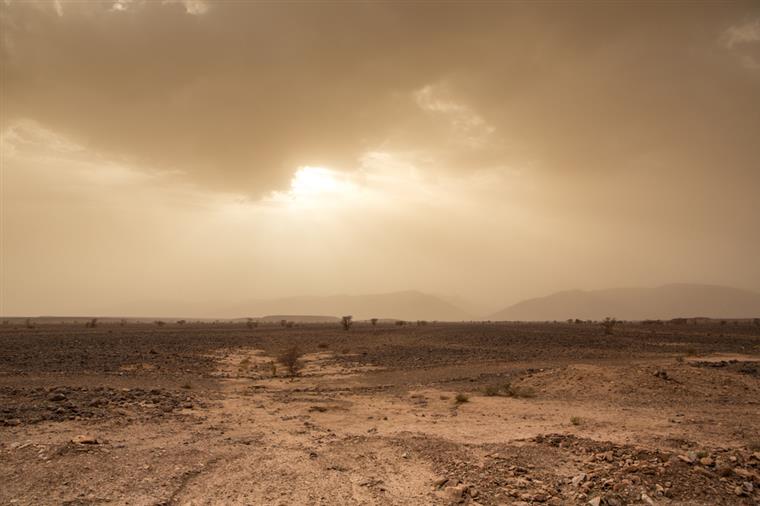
[[706, 461], [578, 479], [474, 492], [83, 439], [739, 491], [596, 501], [440, 482], [742, 472], [56, 397], [685, 458], [646, 499], [748, 487], [454, 494]]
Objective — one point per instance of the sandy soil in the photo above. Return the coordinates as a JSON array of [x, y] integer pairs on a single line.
[[437, 414]]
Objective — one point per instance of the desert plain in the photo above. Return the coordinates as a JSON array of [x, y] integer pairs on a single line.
[[441, 413]]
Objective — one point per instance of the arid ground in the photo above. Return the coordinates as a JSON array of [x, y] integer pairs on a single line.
[[479, 413]]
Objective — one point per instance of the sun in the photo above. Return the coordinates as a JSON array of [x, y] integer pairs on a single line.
[[317, 187], [310, 180]]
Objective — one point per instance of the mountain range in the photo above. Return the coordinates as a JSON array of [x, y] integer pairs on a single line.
[[406, 305], [662, 302]]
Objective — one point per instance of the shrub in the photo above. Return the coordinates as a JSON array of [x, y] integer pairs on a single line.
[[92, 323], [181, 322], [251, 323], [508, 390], [290, 358], [576, 420], [609, 324], [491, 390], [400, 323], [373, 321], [159, 323], [461, 398], [346, 322]]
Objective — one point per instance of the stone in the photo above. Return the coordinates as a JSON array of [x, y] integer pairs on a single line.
[[646, 499], [83, 439], [440, 482], [454, 494], [57, 397], [706, 461], [578, 479], [596, 501]]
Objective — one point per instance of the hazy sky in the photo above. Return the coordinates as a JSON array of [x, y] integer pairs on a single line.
[[162, 155]]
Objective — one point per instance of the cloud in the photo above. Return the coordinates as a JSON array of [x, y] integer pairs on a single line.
[[238, 96], [745, 33]]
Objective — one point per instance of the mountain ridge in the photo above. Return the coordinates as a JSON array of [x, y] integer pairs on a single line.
[[638, 303]]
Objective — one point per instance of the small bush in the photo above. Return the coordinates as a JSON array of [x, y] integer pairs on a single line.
[[346, 322], [322, 345], [509, 390], [491, 390], [609, 325], [187, 386], [373, 321], [290, 358], [461, 398], [576, 420]]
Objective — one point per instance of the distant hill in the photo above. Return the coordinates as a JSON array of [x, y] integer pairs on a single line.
[[299, 318], [663, 302], [408, 305]]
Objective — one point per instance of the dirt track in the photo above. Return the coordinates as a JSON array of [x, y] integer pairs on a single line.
[[555, 414]]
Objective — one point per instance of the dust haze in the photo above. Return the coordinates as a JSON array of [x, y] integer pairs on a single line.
[[180, 157]]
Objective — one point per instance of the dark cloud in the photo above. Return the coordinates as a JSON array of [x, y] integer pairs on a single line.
[[240, 95]]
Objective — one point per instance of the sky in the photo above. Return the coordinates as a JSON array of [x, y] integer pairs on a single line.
[[165, 157]]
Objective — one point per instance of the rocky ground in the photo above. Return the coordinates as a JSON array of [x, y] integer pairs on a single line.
[[479, 413]]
